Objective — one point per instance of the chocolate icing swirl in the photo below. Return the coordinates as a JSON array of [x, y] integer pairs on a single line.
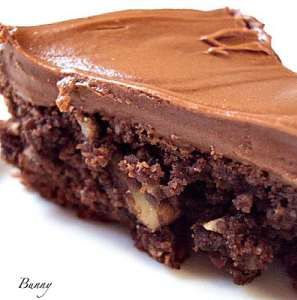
[[221, 48], [257, 40]]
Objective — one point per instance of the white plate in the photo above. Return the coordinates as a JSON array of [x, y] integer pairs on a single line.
[[87, 260]]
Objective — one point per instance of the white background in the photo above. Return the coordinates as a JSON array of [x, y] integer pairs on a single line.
[[89, 261]]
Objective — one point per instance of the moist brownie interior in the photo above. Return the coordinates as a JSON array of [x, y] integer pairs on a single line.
[[175, 197]]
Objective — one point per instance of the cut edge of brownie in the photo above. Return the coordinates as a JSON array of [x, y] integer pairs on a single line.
[[175, 201]]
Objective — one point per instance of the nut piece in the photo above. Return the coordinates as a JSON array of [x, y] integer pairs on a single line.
[[145, 211], [151, 214], [214, 225], [13, 127], [88, 126]]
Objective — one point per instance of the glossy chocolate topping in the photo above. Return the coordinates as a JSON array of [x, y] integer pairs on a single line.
[[210, 79]]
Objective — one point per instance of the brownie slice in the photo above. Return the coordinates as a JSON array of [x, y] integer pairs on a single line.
[[179, 124]]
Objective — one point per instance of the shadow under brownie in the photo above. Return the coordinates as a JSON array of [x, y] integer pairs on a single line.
[[146, 151]]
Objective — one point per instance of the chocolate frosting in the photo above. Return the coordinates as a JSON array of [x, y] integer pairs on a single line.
[[209, 79]]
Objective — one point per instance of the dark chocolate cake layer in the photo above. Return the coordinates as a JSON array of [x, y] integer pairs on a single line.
[[179, 124]]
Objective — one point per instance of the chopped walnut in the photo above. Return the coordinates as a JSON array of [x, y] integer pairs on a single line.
[[88, 126], [13, 128], [214, 225], [151, 214], [145, 211]]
